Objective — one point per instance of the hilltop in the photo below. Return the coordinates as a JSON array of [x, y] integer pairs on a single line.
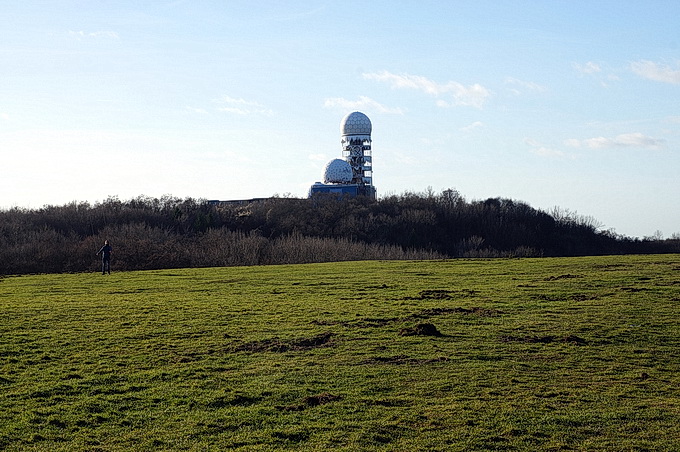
[[152, 233]]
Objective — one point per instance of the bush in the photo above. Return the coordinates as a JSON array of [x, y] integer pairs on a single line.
[[152, 233]]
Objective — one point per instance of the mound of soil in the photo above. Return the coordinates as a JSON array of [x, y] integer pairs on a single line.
[[421, 329], [442, 294], [434, 294]]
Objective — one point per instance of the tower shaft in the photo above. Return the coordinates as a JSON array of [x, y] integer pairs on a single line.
[[357, 152]]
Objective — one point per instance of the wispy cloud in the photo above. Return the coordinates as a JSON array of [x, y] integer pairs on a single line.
[[474, 125], [472, 95], [96, 34], [587, 68], [543, 151], [242, 107], [596, 71], [518, 86], [626, 140], [362, 103], [657, 72], [4, 116]]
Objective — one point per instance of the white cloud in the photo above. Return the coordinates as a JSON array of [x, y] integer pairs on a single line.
[[472, 126], [531, 86], [596, 71], [364, 103], [97, 34], [547, 152], [242, 107], [628, 140], [4, 116], [588, 68], [657, 72], [472, 95], [317, 157], [638, 140], [543, 151]]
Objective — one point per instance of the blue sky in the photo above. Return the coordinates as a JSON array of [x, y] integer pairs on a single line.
[[554, 103]]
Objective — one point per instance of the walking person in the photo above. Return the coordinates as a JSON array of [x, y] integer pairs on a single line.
[[105, 251]]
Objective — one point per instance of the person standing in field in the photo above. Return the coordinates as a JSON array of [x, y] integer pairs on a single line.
[[105, 251]]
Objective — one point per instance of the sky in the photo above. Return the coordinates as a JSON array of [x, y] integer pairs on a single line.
[[569, 104]]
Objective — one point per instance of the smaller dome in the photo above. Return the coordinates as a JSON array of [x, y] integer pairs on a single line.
[[355, 123], [337, 171]]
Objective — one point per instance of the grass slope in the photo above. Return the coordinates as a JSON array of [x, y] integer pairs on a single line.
[[532, 354]]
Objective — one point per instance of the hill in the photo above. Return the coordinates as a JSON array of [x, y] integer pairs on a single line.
[[513, 354], [150, 233]]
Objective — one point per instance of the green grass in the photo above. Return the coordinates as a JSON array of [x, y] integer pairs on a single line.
[[534, 354]]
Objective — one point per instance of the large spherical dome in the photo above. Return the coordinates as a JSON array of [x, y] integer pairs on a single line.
[[337, 171], [355, 123]]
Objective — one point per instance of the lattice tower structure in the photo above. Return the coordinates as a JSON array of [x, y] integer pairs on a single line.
[[355, 131]]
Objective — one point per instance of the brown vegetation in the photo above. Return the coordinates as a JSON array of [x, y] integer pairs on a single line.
[[151, 233]]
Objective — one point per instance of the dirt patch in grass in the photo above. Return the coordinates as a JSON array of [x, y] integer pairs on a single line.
[[442, 294], [434, 294], [421, 329], [611, 266], [567, 276], [370, 322], [231, 400], [381, 286], [571, 339], [312, 401], [424, 314], [573, 297], [388, 402], [278, 345], [295, 437], [634, 289]]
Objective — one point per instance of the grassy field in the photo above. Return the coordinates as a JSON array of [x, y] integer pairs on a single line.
[[524, 354]]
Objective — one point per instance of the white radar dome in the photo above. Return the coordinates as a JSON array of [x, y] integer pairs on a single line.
[[355, 123], [337, 171]]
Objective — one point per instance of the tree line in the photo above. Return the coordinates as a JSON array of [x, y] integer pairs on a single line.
[[169, 232]]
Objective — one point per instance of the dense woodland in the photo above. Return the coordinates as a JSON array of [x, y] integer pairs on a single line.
[[152, 233]]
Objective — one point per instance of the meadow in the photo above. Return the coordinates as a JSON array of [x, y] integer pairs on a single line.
[[500, 354]]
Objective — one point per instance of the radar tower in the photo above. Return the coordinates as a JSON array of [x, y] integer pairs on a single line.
[[355, 131]]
